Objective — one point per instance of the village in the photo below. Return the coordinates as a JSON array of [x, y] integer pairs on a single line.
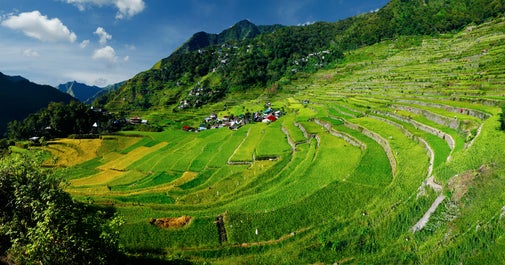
[[233, 122]]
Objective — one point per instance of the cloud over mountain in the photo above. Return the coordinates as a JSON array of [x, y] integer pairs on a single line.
[[38, 26]]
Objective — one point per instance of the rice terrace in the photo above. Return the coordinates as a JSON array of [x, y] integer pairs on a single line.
[[392, 155], [360, 156]]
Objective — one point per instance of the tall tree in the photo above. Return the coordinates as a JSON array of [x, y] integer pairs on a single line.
[[42, 224]]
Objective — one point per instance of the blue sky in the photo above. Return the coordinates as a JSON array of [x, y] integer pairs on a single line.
[[100, 42]]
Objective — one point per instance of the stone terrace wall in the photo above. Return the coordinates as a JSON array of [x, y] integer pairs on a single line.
[[471, 112], [290, 140], [346, 137], [446, 137], [429, 151], [380, 140], [452, 123]]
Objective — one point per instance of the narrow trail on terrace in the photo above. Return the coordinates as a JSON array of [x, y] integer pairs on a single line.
[[229, 162]]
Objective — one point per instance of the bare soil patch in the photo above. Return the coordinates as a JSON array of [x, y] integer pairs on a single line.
[[459, 184], [171, 222]]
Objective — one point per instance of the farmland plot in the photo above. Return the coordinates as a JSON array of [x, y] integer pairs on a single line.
[[326, 200]]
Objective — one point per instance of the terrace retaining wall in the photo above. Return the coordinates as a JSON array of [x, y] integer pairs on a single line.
[[304, 131], [346, 137], [452, 123], [446, 137], [290, 140], [470, 112], [429, 151], [380, 140]]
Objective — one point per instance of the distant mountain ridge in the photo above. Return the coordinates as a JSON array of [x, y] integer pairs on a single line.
[[242, 30], [19, 97], [84, 93], [80, 91]]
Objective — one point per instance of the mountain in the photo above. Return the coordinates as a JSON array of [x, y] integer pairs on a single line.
[[85, 93], [80, 91], [393, 155], [242, 30], [247, 58], [20, 97]]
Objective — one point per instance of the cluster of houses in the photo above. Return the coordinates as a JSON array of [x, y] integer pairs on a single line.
[[137, 120], [199, 96], [317, 57], [235, 122]]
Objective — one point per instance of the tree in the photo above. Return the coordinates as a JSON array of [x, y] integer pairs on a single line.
[[42, 224]]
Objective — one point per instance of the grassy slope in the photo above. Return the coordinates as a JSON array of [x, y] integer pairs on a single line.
[[326, 200]]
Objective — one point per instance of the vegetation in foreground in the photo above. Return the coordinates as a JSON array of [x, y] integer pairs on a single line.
[[42, 224], [365, 149]]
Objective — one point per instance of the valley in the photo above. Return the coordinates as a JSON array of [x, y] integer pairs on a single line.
[[365, 148]]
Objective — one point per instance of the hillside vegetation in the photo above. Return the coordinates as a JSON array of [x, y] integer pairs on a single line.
[[20, 97], [258, 59], [391, 154]]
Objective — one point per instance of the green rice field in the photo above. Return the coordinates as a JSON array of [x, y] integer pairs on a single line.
[[295, 191]]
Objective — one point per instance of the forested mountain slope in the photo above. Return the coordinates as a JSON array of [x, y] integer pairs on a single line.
[[245, 57], [20, 97]]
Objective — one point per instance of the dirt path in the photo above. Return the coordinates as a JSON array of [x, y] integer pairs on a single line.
[[236, 150], [424, 220], [432, 184]]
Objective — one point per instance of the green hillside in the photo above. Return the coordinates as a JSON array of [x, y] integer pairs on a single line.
[[377, 139], [260, 59], [241, 31], [391, 155], [20, 97]]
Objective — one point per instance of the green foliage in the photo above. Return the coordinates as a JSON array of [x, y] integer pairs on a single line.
[[20, 97], [240, 65], [41, 224], [247, 57], [323, 199], [61, 120]]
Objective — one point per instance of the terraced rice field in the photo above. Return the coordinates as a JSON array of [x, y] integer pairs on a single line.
[[341, 178]]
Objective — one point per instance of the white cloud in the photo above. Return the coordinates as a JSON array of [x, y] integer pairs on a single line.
[[129, 8], [107, 53], [126, 58], [38, 26], [126, 8], [84, 44], [30, 53], [103, 35], [130, 47]]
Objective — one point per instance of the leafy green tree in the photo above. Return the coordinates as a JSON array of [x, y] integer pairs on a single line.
[[42, 224]]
